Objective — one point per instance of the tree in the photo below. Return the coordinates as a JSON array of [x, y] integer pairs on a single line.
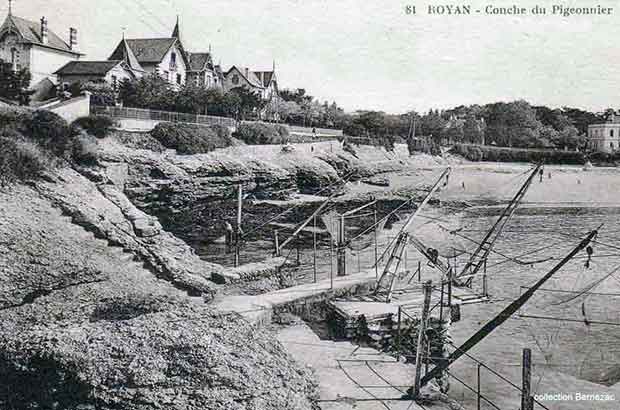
[[512, 124], [150, 91], [191, 99], [14, 85], [473, 130], [249, 102]]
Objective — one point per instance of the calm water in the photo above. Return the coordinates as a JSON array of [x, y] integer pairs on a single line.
[[578, 336]]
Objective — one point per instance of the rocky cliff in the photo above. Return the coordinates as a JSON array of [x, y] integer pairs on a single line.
[[95, 313], [193, 195]]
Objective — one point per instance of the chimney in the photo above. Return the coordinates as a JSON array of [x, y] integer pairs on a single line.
[[44, 30], [73, 39], [247, 72]]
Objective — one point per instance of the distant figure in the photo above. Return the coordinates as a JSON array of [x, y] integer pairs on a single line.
[[313, 132], [549, 174], [311, 148], [463, 185], [541, 174]]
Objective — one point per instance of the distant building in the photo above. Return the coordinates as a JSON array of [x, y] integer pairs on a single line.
[[165, 57], [605, 137], [264, 83], [202, 72], [112, 72], [33, 46]]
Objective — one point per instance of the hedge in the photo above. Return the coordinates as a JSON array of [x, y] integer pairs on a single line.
[[192, 139], [259, 133], [502, 154]]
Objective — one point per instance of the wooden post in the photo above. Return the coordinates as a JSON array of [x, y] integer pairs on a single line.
[[419, 271], [298, 256], [441, 301], [276, 238], [450, 291], [239, 208], [479, 402], [376, 246], [421, 330], [341, 254], [331, 262], [485, 290], [526, 399], [314, 246], [398, 335]]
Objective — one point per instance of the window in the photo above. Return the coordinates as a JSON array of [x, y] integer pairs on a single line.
[[196, 81], [611, 133], [611, 145], [15, 58], [179, 78], [173, 60], [235, 79], [115, 83]]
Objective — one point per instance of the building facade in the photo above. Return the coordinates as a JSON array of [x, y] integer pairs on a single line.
[[605, 137], [202, 73], [112, 72], [33, 46], [262, 82]]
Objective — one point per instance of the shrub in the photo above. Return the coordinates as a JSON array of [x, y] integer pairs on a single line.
[[50, 131], [98, 125], [259, 133], [85, 150], [12, 116], [191, 139], [20, 160]]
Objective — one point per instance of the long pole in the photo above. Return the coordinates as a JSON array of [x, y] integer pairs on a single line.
[[239, 209], [314, 245], [504, 314], [331, 263], [376, 246], [341, 251], [411, 218], [478, 401], [398, 342], [306, 222], [526, 399], [239, 229], [420, 344], [276, 238]]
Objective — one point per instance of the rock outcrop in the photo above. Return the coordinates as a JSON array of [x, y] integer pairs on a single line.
[[84, 325], [101, 208]]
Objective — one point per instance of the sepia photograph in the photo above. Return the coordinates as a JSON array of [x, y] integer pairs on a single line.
[[309, 205]]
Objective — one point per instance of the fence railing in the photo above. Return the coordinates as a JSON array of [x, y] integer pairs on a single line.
[[168, 116]]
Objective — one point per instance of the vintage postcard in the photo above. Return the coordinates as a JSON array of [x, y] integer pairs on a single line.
[[305, 205]]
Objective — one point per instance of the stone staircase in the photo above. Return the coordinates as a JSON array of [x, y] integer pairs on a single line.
[[123, 264]]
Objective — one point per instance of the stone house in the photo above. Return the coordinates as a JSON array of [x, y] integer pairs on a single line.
[[33, 46], [605, 137]]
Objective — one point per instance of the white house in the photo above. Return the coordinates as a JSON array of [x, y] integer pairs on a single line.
[[33, 46], [163, 56], [605, 137]]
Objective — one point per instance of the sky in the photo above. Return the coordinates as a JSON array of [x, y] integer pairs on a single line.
[[367, 54]]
